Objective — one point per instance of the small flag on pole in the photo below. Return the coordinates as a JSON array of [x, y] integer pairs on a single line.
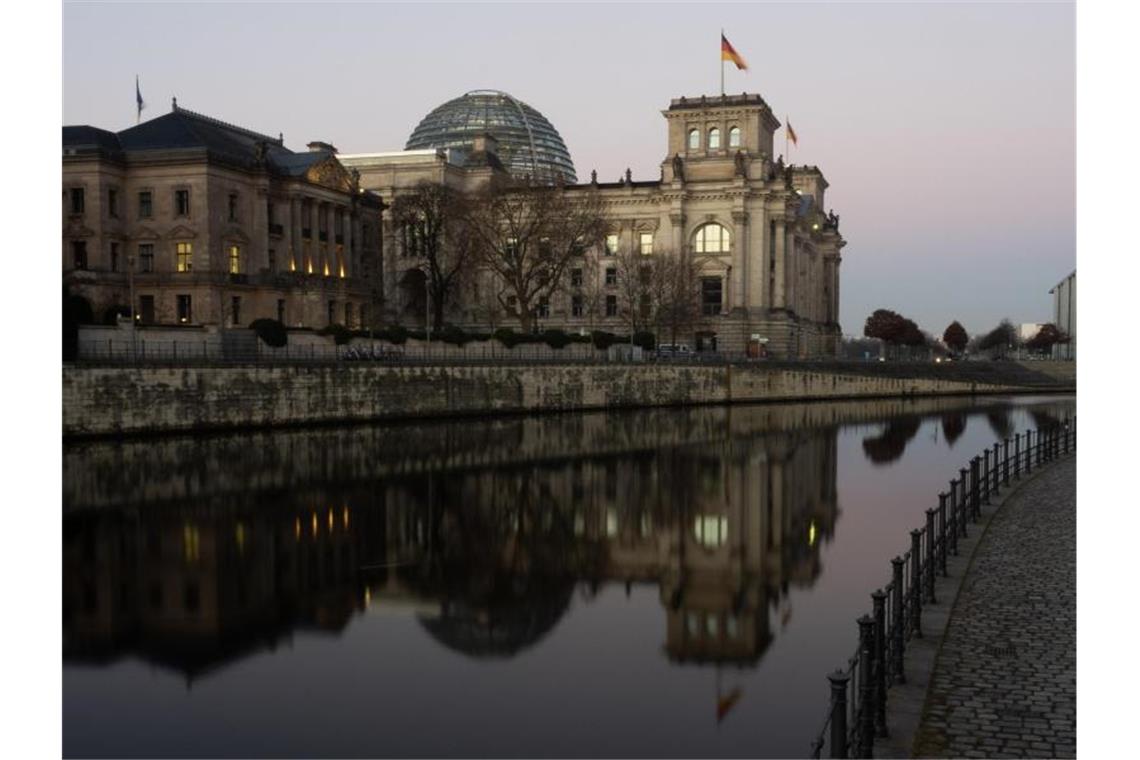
[[792, 134], [726, 703], [138, 100], [728, 53]]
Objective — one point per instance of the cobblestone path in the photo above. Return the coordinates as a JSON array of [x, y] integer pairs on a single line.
[[1005, 682]]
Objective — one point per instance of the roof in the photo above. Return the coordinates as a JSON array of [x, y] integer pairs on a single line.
[[85, 138]]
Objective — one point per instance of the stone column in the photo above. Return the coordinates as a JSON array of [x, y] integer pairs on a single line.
[[677, 220], [314, 237], [741, 261], [259, 232], [294, 236], [779, 298], [350, 254]]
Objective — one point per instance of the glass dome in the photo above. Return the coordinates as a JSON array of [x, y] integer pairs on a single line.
[[528, 143]]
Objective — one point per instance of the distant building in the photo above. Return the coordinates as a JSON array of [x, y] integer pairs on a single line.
[[213, 224], [1065, 315], [1027, 330]]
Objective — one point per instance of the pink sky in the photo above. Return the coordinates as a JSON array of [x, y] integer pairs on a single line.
[[947, 131]]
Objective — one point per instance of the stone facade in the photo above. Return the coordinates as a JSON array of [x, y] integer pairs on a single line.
[[212, 224], [1065, 315], [768, 254]]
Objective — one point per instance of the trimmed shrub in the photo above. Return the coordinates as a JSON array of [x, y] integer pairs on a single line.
[[454, 335], [556, 339], [112, 314], [603, 340], [644, 340], [341, 334], [271, 332], [394, 334], [507, 337]]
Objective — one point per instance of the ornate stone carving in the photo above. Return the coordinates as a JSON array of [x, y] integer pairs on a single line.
[[678, 168], [741, 167], [330, 173]]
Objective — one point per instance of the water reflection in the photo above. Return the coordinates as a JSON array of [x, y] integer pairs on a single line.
[[486, 538]]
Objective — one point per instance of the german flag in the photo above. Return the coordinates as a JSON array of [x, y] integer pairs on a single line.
[[728, 53], [792, 134]]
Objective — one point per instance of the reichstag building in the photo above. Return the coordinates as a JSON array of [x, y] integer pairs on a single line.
[[203, 222]]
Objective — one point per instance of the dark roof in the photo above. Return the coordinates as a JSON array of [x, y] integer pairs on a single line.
[[90, 137], [704, 101]]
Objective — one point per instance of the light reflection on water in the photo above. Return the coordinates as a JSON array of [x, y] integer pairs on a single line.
[[661, 582]]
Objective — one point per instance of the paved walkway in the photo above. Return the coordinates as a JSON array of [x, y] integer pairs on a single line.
[[1004, 682]]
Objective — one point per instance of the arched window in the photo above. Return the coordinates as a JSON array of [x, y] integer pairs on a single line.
[[694, 139], [734, 137], [711, 238], [714, 138]]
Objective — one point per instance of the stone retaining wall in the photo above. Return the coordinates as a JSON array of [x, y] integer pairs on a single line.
[[120, 400]]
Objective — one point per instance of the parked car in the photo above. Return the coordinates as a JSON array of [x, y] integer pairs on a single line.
[[674, 349]]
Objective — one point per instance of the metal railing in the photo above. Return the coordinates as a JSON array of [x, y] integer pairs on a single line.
[[858, 702]]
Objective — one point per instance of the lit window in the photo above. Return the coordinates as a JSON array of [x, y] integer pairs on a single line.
[[185, 257], [712, 626], [694, 139], [611, 244], [646, 243], [235, 259], [711, 238], [714, 138], [734, 137], [191, 543]]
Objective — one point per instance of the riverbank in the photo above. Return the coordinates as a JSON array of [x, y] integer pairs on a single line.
[[129, 400]]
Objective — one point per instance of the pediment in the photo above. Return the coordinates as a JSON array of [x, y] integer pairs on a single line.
[[330, 173], [144, 233], [180, 231], [235, 234], [77, 229]]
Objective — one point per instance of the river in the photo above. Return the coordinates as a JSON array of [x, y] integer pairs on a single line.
[[665, 582]]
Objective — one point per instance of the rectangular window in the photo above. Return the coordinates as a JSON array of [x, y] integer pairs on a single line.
[[611, 275], [233, 207], [182, 203], [146, 209], [281, 310], [235, 310], [146, 310], [348, 315], [710, 296], [611, 306], [575, 278], [79, 254], [77, 200], [611, 244], [185, 257], [646, 243], [646, 306], [113, 203], [364, 315], [577, 306], [272, 260], [544, 307], [235, 259], [184, 311], [114, 257], [146, 257], [332, 312], [513, 304]]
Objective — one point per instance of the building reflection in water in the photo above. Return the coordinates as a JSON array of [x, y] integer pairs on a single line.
[[485, 532]]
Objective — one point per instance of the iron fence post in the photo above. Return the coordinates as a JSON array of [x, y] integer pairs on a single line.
[[1017, 456], [942, 533], [879, 601], [1028, 451], [916, 582], [839, 681], [996, 472], [866, 697], [963, 503], [930, 557], [1005, 462], [898, 632], [1066, 446], [986, 476], [954, 519], [975, 506]]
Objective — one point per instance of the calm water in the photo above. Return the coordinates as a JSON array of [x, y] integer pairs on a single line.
[[653, 583]]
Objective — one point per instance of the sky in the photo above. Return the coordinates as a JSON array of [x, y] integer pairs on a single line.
[[946, 130]]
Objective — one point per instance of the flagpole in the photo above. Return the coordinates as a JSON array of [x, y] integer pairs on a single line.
[[722, 61]]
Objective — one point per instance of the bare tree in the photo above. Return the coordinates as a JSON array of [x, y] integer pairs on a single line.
[[429, 222], [635, 288], [675, 288], [528, 234]]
